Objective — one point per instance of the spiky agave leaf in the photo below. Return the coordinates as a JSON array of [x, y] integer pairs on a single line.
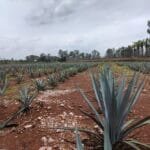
[[4, 87], [78, 141], [13, 116], [3, 82], [135, 144], [97, 117], [134, 125]]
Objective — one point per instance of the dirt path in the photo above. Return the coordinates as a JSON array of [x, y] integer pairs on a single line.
[[60, 107]]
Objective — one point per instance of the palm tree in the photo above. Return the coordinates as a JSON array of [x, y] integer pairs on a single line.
[[148, 24], [137, 48], [147, 47], [133, 50], [148, 40], [141, 43]]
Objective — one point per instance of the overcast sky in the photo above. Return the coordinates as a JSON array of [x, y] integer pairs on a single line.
[[36, 26]]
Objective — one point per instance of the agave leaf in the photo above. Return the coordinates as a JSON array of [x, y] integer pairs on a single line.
[[110, 80], [128, 92], [132, 101], [92, 108], [128, 123], [92, 117], [120, 89], [78, 141], [137, 93], [96, 90], [139, 143], [114, 116], [5, 84], [136, 125], [107, 141], [106, 96], [110, 104], [124, 107], [133, 145], [5, 123]]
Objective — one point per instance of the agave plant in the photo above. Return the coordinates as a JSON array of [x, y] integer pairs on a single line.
[[72, 71], [116, 103], [26, 98], [82, 67], [13, 71], [31, 72], [65, 73], [143, 67], [3, 83], [40, 85], [52, 80], [19, 78], [61, 77], [39, 72]]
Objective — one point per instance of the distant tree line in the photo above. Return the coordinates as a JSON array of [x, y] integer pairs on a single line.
[[77, 55], [42, 58], [64, 55], [140, 48]]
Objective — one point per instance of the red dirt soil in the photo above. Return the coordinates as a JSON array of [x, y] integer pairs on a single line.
[[60, 107]]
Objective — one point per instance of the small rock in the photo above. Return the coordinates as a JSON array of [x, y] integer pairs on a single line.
[[56, 147], [64, 113], [45, 148], [65, 125], [58, 131], [39, 118], [50, 140], [49, 107], [13, 129], [62, 105], [71, 113], [28, 126], [96, 126]]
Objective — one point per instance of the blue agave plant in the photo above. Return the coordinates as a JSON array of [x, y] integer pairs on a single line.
[[116, 102]]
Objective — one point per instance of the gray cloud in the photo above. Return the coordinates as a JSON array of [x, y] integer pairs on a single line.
[[46, 12], [35, 26]]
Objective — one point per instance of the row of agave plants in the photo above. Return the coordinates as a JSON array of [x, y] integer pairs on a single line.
[[115, 100], [27, 94], [143, 67], [34, 70], [54, 78], [55, 72]]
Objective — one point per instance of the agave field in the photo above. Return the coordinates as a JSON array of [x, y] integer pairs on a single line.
[[68, 106], [143, 67]]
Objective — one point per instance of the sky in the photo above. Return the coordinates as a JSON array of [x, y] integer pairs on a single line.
[[45, 26]]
